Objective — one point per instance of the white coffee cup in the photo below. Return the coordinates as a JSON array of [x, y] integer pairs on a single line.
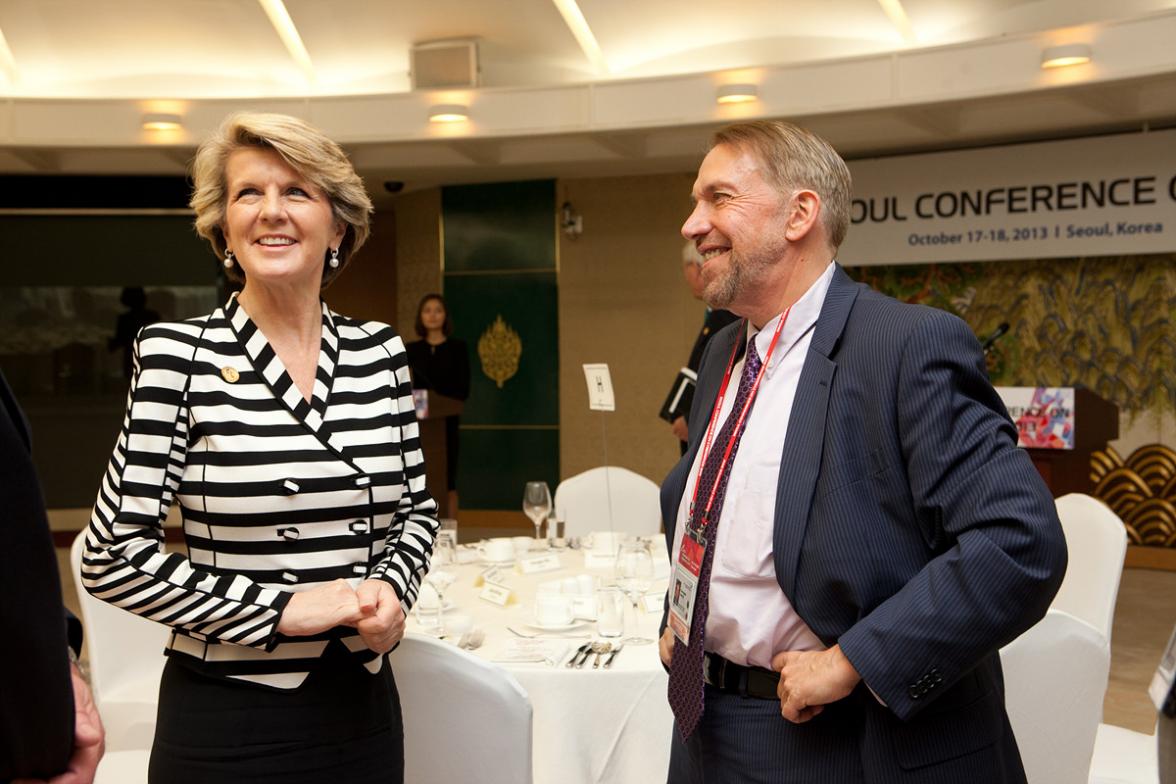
[[521, 544], [499, 549], [553, 610]]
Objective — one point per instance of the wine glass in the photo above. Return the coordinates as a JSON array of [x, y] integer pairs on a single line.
[[444, 552], [537, 504], [634, 569], [440, 580]]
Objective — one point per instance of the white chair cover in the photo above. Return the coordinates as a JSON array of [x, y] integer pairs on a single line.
[[123, 767], [126, 662], [582, 502], [1055, 678], [1123, 756], [465, 719], [1097, 544]]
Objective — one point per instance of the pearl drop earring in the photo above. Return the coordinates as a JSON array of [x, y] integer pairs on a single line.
[[228, 262], [334, 262]]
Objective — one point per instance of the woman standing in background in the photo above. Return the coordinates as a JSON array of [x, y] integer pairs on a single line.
[[441, 363]]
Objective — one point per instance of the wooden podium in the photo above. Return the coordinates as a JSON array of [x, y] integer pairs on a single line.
[[432, 409], [1075, 432]]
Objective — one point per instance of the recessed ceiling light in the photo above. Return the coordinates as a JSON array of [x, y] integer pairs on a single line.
[[737, 93], [162, 121], [1067, 54], [448, 113]]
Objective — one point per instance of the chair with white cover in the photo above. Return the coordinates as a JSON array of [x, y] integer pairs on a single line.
[[126, 662], [583, 502], [1055, 678], [465, 719], [123, 767], [1097, 543], [1123, 756]]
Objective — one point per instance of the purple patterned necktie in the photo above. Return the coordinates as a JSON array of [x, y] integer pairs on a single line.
[[686, 690]]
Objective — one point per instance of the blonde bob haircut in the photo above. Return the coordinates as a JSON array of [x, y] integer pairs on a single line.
[[795, 158], [306, 150]]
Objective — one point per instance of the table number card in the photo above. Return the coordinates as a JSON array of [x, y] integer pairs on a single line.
[[600, 388], [534, 564], [495, 593]]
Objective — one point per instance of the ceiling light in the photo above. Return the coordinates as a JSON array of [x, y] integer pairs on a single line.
[[898, 17], [7, 61], [448, 113], [737, 93], [162, 121], [574, 18], [1067, 54], [284, 26]]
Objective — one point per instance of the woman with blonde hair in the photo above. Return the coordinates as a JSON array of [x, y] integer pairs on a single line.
[[287, 436]]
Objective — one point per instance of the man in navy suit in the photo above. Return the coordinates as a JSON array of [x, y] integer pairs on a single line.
[[862, 530], [49, 726]]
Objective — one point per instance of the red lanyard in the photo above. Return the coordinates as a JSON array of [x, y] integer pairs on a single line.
[[710, 430]]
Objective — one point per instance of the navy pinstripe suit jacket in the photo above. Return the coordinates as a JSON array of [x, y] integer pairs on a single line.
[[909, 528]]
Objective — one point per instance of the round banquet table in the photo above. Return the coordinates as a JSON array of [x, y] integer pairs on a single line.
[[590, 725]]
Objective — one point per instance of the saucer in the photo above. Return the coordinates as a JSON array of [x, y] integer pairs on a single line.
[[559, 627]]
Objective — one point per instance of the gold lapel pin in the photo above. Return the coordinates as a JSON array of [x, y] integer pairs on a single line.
[[230, 374]]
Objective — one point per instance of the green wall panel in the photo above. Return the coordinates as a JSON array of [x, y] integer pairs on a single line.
[[526, 304], [500, 282], [503, 226], [495, 464]]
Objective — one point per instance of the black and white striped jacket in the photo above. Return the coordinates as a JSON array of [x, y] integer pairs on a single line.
[[277, 494]]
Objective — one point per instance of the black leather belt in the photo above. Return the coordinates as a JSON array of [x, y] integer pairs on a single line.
[[735, 678]]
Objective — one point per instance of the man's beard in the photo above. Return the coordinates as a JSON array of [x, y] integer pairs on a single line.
[[743, 274]]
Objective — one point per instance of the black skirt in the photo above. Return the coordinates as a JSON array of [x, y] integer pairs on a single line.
[[342, 725]]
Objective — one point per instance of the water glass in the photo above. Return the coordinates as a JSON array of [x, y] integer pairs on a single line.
[[610, 612]]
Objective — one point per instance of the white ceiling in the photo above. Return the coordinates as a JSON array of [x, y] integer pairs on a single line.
[[965, 72]]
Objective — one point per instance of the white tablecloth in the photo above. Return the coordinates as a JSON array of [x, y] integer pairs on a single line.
[[589, 725]]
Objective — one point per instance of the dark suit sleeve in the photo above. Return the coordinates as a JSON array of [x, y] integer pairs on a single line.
[[36, 706], [983, 511]]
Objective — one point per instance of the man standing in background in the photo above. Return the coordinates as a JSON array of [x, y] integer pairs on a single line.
[[714, 321]]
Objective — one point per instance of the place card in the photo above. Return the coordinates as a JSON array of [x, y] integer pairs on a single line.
[[495, 594], [534, 564], [653, 602], [491, 574], [602, 560]]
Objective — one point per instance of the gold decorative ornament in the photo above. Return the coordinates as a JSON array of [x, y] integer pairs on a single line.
[[499, 348], [230, 374]]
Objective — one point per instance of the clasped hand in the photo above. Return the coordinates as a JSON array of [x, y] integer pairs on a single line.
[[373, 609], [810, 680]]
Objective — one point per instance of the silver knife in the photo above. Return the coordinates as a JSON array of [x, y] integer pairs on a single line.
[[608, 662], [581, 651]]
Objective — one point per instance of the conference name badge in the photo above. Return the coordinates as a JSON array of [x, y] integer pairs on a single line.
[[684, 584]]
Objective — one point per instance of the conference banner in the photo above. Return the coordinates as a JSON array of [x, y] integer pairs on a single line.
[[1097, 196]]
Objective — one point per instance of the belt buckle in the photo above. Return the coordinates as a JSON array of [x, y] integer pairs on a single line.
[[722, 679]]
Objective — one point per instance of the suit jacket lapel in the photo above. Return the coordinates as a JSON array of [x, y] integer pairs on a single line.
[[801, 459]]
